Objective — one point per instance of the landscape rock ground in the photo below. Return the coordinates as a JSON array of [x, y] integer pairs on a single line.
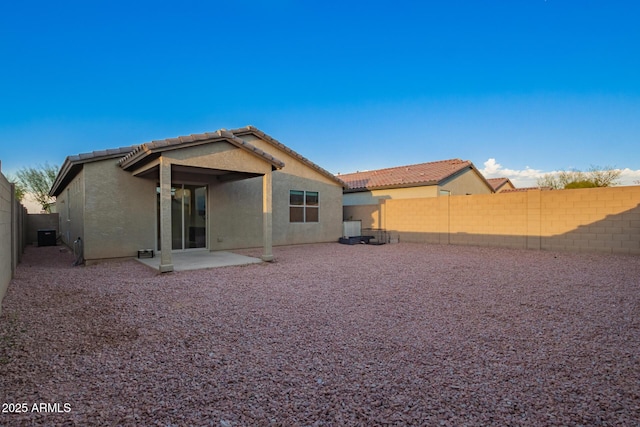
[[327, 335]]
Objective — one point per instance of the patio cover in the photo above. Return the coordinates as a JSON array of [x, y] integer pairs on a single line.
[[219, 153]]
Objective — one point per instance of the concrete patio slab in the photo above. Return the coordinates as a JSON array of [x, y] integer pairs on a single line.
[[197, 260]]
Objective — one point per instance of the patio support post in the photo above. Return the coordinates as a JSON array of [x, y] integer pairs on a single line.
[[267, 217], [166, 265]]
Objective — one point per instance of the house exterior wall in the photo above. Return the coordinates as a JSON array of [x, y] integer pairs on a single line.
[[114, 211], [235, 207], [329, 226], [372, 197], [466, 183], [593, 219], [119, 211], [237, 222], [221, 155], [70, 207]]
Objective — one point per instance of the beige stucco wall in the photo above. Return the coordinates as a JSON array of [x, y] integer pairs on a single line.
[[595, 219], [236, 222], [70, 207], [465, 183], [219, 155], [119, 211], [372, 197], [329, 227]]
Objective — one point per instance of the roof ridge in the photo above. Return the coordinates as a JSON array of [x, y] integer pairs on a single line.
[[407, 166], [195, 139]]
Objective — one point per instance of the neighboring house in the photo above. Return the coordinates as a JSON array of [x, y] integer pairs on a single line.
[[446, 177], [504, 185], [520, 189], [365, 190], [501, 184], [216, 191]]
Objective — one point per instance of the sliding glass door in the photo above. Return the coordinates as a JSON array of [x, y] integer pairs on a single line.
[[188, 217]]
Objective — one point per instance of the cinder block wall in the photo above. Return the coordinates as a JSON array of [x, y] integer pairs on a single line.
[[597, 219], [37, 222], [6, 225], [12, 234]]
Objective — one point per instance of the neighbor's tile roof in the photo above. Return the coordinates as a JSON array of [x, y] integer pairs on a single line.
[[497, 183], [402, 176]]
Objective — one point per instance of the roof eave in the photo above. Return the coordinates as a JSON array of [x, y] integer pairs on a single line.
[[56, 188], [151, 150], [73, 164], [391, 186]]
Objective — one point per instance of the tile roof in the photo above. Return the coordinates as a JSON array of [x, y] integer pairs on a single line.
[[130, 155], [497, 183], [149, 149], [405, 176], [72, 164], [101, 154]]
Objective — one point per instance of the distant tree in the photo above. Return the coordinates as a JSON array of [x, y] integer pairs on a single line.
[[19, 189], [594, 177], [549, 180], [604, 177], [37, 182], [580, 184], [561, 179]]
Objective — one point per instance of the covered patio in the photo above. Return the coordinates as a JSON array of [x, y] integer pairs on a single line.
[[198, 159]]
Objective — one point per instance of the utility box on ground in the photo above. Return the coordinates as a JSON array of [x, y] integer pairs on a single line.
[[47, 237]]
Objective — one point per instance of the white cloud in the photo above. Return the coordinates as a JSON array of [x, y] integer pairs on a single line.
[[520, 178], [528, 177], [630, 177]]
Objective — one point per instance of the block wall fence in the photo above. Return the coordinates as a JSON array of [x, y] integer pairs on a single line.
[[12, 234], [594, 220]]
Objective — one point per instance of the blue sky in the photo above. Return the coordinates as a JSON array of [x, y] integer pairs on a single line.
[[519, 87]]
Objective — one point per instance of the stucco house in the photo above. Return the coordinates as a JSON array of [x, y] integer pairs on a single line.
[[364, 191], [221, 190], [501, 184]]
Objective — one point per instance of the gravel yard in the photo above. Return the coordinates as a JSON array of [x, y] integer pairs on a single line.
[[328, 335]]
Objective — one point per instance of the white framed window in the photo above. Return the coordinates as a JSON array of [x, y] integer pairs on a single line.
[[303, 206]]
